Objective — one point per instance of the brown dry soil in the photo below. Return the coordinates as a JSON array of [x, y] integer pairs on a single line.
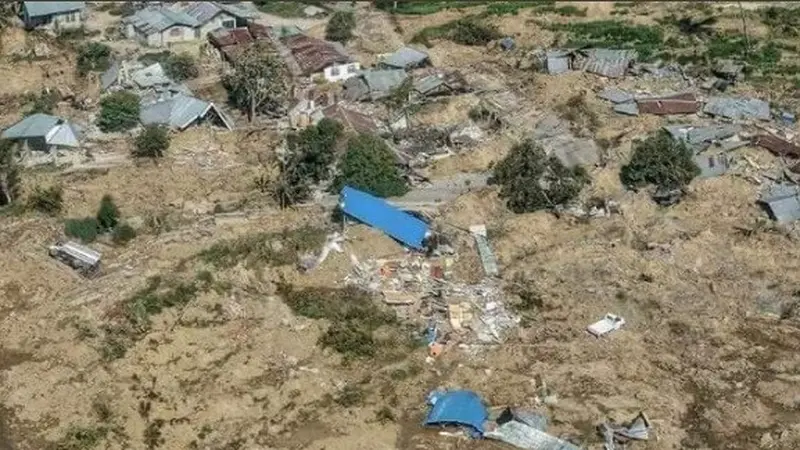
[[237, 369]]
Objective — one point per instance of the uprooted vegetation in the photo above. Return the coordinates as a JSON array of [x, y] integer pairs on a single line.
[[470, 30], [530, 180]]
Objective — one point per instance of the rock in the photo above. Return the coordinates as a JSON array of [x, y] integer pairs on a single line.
[[41, 50], [767, 440]]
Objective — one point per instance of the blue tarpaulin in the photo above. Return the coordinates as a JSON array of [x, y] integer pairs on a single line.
[[379, 214], [463, 408]]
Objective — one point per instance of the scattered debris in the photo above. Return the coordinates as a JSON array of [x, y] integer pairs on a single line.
[[526, 430], [601, 208], [787, 118], [556, 138], [457, 407], [333, 242], [667, 197], [466, 134], [615, 95], [373, 84], [405, 58], [782, 202], [638, 429], [700, 138], [712, 165], [607, 324], [737, 108], [379, 214], [487, 256], [79, 257], [628, 109], [607, 62], [728, 70], [685, 103], [558, 61]]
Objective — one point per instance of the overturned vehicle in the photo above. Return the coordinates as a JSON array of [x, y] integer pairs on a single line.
[[79, 257]]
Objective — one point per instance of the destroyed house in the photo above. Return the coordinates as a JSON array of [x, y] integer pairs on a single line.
[[379, 214], [53, 15], [319, 57], [182, 111], [405, 58], [440, 84], [606, 62], [373, 84], [351, 120], [43, 132]]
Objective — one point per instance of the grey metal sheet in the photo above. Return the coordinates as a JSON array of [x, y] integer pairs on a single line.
[[615, 95], [738, 108], [43, 8]]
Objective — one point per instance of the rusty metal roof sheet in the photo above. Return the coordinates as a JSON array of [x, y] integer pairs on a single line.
[[313, 54], [777, 145], [609, 63], [676, 104], [224, 37]]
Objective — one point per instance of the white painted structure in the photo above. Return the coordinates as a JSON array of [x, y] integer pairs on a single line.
[[341, 72]]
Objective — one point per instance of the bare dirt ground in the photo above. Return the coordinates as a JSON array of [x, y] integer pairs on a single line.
[[702, 354]]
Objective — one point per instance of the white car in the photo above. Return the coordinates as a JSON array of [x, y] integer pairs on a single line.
[[609, 323]]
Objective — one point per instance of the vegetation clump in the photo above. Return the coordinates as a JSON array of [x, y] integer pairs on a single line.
[[181, 67], [264, 249], [93, 57], [151, 142], [48, 200], [118, 112], [530, 180], [468, 30], [369, 165], [662, 161], [340, 27]]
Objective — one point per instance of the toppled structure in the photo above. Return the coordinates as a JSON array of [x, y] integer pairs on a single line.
[[606, 62], [317, 57], [79, 257], [782, 202], [405, 58], [737, 108], [461, 408], [45, 133], [617, 436], [699, 138], [556, 138], [441, 84], [181, 111], [373, 84]]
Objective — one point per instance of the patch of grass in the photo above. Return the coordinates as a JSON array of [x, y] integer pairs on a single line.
[[385, 415], [82, 438], [359, 328], [351, 395], [646, 40], [578, 112], [513, 8], [271, 249], [48, 200], [469, 30], [565, 11], [420, 8]]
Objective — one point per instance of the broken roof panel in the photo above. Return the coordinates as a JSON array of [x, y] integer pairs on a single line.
[[109, 77], [314, 55], [203, 12], [405, 58], [178, 112], [677, 104], [615, 95], [777, 146], [782, 202], [463, 408], [629, 109], [738, 108], [607, 62], [150, 76], [381, 82], [379, 214], [224, 37], [527, 437], [712, 165], [428, 84], [360, 123], [151, 20]]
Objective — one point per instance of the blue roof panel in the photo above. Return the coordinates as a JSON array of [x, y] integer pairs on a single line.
[[463, 408], [379, 214]]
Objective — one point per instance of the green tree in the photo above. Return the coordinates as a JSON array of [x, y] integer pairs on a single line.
[[47, 200], [340, 27], [258, 82], [181, 67], [370, 165], [93, 57], [660, 160], [9, 174], [151, 142], [310, 153], [85, 229], [107, 214], [530, 180], [118, 112]]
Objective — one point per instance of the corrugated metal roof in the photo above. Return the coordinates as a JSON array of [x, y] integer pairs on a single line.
[[383, 81], [110, 76], [460, 407], [405, 58], [677, 104], [557, 64], [615, 95], [427, 84], [379, 214], [151, 21], [738, 108], [65, 135], [313, 55], [243, 10], [40, 9], [609, 63], [777, 145], [527, 437], [35, 125], [224, 37], [202, 12], [178, 112]]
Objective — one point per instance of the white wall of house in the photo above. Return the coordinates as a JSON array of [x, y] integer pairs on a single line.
[[64, 21], [221, 20], [340, 72]]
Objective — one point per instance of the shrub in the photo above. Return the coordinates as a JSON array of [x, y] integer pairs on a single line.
[[85, 229], [151, 142], [93, 57], [107, 214], [122, 234], [43, 103], [310, 155], [181, 67], [660, 161], [340, 27], [369, 165], [472, 32], [118, 112], [530, 180], [155, 57], [49, 201]]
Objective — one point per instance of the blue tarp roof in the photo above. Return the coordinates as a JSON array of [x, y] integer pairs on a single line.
[[379, 214], [463, 408]]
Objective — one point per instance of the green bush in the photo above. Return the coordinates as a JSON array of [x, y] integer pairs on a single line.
[[122, 234], [107, 214], [151, 142], [181, 67], [472, 32], [118, 112], [47, 200], [530, 180], [85, 229], [646, 40], [369, 165], [661, 161], [340, 27], [93, 57]]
